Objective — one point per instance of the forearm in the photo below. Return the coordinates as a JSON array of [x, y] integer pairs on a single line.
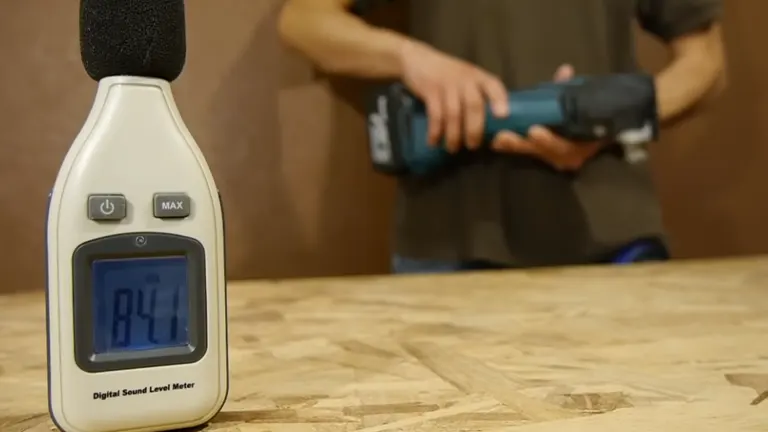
[[339, 42], [696, 73]]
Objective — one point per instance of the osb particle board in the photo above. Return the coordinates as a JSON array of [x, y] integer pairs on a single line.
[[667, 347]]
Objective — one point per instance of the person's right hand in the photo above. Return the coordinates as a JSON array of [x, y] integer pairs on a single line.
[[455, 93]]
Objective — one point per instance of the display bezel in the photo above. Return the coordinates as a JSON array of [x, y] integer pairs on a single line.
[[130, 246]]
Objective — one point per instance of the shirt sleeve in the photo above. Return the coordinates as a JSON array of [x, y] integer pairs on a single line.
[[670, 19], [363, 7]]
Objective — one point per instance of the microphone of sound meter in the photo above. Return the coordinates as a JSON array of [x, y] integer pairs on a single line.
[[136, 283]]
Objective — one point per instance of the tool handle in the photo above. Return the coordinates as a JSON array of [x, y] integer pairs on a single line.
[[538, 106]]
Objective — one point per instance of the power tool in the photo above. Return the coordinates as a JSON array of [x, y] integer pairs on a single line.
[[615, 108]]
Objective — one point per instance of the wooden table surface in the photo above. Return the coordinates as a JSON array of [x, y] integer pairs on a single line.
[[672, 347]]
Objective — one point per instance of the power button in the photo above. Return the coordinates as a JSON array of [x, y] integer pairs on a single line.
[[106, 207]]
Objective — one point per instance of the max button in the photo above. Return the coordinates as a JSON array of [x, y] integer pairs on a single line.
[[106, 207], [171, 205]]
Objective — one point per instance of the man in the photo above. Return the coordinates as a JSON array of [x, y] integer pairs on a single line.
[[538, 200]]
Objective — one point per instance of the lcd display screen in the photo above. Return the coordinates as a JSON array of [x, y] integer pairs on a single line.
[[140, 303]]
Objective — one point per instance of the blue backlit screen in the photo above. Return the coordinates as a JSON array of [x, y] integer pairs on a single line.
[[140, 304]]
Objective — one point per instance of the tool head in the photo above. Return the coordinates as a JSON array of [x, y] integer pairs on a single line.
[[618, 107]]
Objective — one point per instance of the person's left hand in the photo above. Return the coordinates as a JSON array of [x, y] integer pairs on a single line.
[[543, 144]]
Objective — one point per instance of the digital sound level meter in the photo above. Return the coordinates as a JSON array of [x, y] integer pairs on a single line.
[[136, 290]]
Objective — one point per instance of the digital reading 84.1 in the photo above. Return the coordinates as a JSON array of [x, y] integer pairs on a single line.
[[140, 303], [136, 284]]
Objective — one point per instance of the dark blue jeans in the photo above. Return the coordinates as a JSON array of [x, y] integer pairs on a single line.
[[641, 251], [403, 265]]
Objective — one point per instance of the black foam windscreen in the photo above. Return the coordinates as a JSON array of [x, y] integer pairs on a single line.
[[144, 38]]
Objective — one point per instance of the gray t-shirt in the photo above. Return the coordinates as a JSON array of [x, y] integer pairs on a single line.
[[514, 210]]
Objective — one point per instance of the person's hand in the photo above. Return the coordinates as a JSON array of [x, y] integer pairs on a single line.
[[455, 94], [541, 143]]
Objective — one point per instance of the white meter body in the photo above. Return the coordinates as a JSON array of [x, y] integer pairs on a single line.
[[136, 284]]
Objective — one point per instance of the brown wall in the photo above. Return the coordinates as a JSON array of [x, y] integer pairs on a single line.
[[289, 155], [711, 171]]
